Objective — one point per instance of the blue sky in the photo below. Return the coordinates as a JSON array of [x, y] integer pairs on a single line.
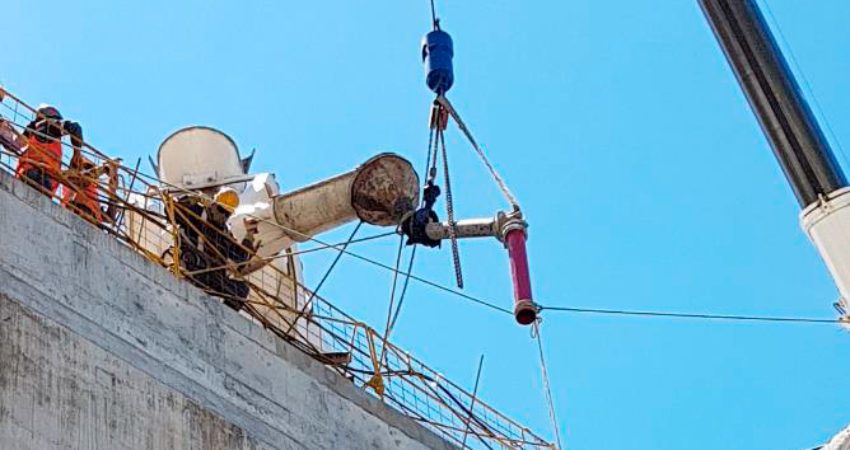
[[618, 125]]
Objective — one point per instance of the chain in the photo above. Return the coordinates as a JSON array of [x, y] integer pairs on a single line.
[[450, 212]]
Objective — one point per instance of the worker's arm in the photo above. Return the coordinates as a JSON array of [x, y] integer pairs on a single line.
[[29, 131], [111, 169], [9, 138], [74, 130]]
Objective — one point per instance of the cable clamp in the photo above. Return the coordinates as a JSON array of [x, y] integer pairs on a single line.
[[439, 117], [841, 306], [507, 222], [823, 203]]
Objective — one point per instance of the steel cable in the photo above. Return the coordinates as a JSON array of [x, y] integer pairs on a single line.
[[678, 315]]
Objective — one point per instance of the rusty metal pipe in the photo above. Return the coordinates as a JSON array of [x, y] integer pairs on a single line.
[[380, 192]]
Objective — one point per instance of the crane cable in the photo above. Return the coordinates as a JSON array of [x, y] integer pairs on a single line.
[[313, 292], [392, 301], [547, 388], [503, 187], [404, 288], [705, 316]]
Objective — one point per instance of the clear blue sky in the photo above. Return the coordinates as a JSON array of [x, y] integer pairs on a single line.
[[618, 124]]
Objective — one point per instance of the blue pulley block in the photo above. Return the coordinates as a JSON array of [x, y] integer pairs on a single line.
[[437, 53]]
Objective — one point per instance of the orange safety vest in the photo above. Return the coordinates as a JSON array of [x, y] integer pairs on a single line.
[[85, 198], [46, 156]]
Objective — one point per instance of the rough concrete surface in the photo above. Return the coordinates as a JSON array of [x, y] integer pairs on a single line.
[[101, 349]]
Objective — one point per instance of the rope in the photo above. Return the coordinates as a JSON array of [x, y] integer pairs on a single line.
[[499, 181], [392, 301], [546, 386], [404, 288], [438, 286], [676, 315], [313, 292], [428, 156]]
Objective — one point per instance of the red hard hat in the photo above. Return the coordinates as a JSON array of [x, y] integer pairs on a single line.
[[49, 112]]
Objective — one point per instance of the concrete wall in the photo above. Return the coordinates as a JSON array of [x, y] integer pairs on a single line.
[[100, 349]]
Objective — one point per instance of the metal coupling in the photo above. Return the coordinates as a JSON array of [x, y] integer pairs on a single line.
[[507, 222]]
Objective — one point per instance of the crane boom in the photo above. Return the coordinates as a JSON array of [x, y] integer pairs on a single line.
[[797, 140], [773, 93]]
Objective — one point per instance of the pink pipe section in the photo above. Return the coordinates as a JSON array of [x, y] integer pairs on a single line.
[[525, 311]]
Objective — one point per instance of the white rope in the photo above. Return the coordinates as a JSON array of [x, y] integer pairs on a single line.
[[552, 414], [499, 181]]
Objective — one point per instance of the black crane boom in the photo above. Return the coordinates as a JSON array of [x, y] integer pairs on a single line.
[[786, 119]]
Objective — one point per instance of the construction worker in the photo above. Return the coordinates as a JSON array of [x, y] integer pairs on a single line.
[[80, 193], [41, 155], [207, 247]]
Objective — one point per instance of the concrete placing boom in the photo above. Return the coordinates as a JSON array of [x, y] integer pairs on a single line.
[[786, 119]]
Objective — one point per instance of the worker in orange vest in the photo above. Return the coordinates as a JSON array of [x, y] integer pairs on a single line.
[[41, 160], [82, 188]]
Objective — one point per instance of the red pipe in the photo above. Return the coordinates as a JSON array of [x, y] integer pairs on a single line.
[[525, 310]]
